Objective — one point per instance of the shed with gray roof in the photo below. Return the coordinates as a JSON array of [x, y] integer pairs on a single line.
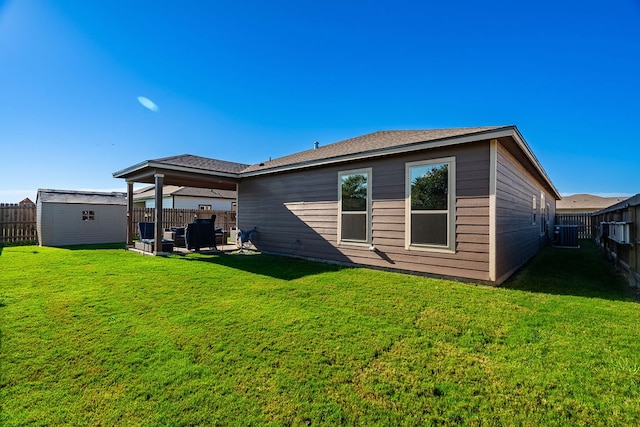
[[67, 217]]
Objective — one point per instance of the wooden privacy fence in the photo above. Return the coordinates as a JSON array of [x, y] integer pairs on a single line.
[[584, 222], [181, 217], [17, 223], [618, 234]]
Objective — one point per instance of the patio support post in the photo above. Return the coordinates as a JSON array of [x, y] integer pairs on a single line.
[[157, 246], [129, 213]]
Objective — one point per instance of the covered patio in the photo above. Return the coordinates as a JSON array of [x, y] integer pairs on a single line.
[[184, 170]]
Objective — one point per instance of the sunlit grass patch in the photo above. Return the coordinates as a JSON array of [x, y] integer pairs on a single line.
[[105, 336]]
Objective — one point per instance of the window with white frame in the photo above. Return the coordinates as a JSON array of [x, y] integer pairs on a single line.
[[534, 211], [204, 207], [430, 205], [547, 210], [543, 222], [355, 206]]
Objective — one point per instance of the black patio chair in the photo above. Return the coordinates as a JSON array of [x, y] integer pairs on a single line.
[[201, 233], [146, 230]]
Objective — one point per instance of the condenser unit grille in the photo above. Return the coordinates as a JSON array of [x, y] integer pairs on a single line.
[[566, 235]]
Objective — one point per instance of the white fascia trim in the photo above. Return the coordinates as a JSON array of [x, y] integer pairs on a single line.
[[493, 183], [534, 161]]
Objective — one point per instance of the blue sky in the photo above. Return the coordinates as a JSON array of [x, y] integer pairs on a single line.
[[245, 81]]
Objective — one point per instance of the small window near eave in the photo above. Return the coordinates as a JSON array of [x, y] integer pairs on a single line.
[[543, 217], [88, 215]]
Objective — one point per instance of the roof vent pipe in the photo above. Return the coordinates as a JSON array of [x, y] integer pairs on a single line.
[[316, 145]]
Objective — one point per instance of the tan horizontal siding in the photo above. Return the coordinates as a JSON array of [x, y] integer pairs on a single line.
[[297, 214], [517, 239]]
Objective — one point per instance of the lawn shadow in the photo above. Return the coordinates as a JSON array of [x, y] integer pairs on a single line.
[[580, 272], [279, 267]]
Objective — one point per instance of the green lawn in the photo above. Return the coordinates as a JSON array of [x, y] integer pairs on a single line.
[[109, 337]]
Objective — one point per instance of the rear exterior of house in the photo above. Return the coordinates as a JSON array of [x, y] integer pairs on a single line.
[[493, 214], [471, 203], [66, 217]]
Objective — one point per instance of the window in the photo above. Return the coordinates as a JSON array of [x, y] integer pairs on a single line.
[[548, 209], [534, 211], [88, 216], [204, 207], [543, 222], [430, 205], [355, 206]]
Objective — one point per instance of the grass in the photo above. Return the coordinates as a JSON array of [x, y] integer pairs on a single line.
[[108, 337]]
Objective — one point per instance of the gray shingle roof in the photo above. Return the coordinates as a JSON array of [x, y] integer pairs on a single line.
[[203, 163], [370, 143], [81, 197], [586, 201]]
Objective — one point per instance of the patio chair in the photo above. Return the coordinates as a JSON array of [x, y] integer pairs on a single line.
[[201, 233], [146, 231]]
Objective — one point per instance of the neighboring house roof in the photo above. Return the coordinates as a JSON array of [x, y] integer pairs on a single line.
[[81, 197], [174, 190], [586, 202], [26, 201]]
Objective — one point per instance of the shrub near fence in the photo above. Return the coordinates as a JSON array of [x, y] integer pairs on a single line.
[[18, 223]]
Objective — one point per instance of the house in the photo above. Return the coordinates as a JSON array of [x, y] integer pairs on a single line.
[[180, 197], [26, 202], [585, 203], [66, 217], [471, 203]]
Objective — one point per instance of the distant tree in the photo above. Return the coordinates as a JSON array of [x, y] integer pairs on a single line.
[[354, 192], [429, 191]]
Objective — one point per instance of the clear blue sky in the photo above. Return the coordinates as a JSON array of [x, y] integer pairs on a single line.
[[248, 80]]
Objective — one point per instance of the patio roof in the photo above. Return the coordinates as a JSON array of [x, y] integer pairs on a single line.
[[185, 170]]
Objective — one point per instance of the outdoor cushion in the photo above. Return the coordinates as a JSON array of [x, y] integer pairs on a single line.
[[201, 234], [147, 236]]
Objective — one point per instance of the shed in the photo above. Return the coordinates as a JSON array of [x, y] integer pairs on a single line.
[[66, 217]]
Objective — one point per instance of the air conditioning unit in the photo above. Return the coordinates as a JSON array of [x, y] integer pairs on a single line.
[[620, 232], [566, 236]]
